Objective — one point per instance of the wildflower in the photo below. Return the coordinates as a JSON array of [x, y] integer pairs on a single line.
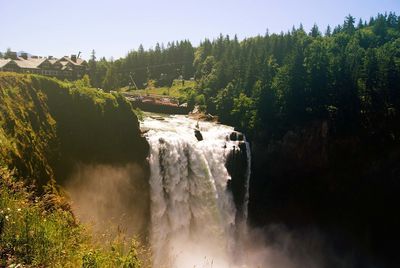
[[7, 218], [19, 210], [8, 209]]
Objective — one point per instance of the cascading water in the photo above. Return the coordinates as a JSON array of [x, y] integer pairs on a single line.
[[193, 215]]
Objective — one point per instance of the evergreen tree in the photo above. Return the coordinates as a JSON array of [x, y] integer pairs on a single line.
[[328, 31], [92, 69], [348, 25], [315, 31]]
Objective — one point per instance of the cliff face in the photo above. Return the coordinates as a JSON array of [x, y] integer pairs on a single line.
[[344, 185], [47, 126], [28, 131]]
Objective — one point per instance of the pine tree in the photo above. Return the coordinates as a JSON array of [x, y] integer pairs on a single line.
[[315, 31], [348, 25], [328, 31]]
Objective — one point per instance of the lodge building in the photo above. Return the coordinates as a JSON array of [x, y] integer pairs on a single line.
[[70, 68]]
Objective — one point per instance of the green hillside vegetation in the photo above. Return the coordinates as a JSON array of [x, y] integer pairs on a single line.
[[28, 131], [41, 231], [46, 126]]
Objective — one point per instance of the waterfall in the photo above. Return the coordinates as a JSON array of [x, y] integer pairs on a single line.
[[193, 214]]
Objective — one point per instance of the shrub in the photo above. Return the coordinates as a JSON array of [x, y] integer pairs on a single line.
[[42, 231]]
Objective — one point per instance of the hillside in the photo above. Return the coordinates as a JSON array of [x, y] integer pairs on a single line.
[[46, 127]]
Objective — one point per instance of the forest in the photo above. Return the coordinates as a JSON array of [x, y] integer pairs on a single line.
[[349, 74]]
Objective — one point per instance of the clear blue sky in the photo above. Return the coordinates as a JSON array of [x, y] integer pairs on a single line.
[[112, 28]]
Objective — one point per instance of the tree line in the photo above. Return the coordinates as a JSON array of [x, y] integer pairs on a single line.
[[349, 75], [161, 64]]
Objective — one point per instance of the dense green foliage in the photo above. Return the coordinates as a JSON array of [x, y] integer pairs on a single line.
[[162, 64], [350, 75], [47, 126], [28, 131], [276, 82]]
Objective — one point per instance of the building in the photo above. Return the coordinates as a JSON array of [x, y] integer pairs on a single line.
[[70, 68]]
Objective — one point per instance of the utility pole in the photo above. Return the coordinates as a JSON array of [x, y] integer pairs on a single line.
[[133, 81]]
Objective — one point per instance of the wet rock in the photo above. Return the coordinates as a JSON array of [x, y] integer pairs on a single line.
[[233, 136], [198, 135], [160, 118], [236, 136], [144, 131]]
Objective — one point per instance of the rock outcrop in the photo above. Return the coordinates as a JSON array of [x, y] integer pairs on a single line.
[[342, 184]]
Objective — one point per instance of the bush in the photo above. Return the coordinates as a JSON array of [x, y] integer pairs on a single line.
[[201, 102], [42, 231]]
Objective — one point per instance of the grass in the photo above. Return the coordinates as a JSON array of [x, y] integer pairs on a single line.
[[177, 90], [42, 232]]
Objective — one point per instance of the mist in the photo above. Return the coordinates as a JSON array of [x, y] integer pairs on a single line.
[[183, 209], [108, 197], [111, 197]]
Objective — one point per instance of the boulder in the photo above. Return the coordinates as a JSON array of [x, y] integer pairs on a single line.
[[198, 135]]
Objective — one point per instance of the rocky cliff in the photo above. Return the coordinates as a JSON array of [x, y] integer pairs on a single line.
[[343, 184]]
